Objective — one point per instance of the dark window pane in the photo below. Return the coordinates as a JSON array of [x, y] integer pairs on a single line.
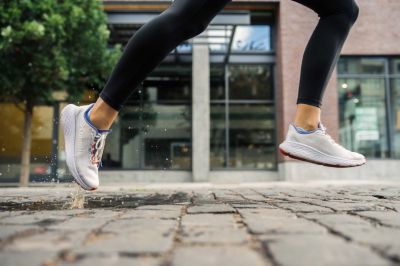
[[363, 116], [154, 131], [167, 136], [217, 82], [251, 136], [395, 66], [361, 66], [165, 83], [396, 116], [250, 82], [217, 137]]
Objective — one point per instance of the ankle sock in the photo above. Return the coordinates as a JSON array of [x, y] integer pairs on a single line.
[[301, 130], [87, 119]]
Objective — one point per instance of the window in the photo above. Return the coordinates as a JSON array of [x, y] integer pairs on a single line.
[[395, 105], [369, 104], [242, 117], [11, 141], [153, 131]]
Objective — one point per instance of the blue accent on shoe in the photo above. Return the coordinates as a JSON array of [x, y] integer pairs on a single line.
[[87, 119], [302, 130]]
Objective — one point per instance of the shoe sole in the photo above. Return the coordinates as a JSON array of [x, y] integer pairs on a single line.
[[68, 122], [314, 153]]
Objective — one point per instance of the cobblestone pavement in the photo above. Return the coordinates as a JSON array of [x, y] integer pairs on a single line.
[[258, 224]]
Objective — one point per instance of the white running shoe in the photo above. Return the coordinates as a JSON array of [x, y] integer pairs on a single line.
[[319, 148], [84, 145]]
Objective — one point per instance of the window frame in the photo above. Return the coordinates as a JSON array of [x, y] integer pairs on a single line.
[[387, 76]]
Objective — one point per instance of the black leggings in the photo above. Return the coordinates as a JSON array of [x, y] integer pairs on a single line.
[[185, 19]]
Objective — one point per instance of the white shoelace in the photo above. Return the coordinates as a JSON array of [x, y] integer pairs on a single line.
[[98, 148], [324, 129]]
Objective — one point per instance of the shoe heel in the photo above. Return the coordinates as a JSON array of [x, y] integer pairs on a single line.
[[283, 152]]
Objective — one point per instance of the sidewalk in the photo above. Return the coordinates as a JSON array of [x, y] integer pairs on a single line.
[[202, 224]]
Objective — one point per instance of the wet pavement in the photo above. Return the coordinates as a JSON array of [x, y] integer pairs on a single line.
[[202, 224]]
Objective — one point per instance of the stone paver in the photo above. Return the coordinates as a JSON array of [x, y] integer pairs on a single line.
[[113, 260], [225, 255], [303, 207], [320, 250], [7, 231], [211, 229], [261, 221], [132, 236], [257, 224], [211, 208], [386, 218]]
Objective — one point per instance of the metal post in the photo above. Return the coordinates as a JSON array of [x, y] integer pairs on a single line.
[[54, 144]]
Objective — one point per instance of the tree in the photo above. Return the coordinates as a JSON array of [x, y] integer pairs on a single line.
[[48, 46]]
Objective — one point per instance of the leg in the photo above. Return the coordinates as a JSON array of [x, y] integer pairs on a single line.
[[307, 139], [86, 127], [321, 55], [146, 49]]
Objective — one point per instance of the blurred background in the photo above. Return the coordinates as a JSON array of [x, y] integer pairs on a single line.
[[214, 110]]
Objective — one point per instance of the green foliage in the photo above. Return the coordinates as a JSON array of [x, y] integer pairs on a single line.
[[49, 45]]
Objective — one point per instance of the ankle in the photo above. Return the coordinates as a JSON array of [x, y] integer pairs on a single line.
[[307, 125], [307, 116], [98, 120], [101, 115]]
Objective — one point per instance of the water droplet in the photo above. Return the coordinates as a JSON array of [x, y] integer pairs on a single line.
[[3, 149], [1, 174], [165, 129], [166, 158]]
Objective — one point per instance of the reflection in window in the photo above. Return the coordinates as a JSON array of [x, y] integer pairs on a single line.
[[252, 38], [361, 66], [153, 131], [395, 85], [11, 141], [246, 39], [395, 66], [362, 117], [250, 82], [369, 99], [251, 136], [243, 122], [218, 149], [218, 37]]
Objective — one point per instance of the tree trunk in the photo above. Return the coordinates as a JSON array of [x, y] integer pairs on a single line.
[[26, 148]]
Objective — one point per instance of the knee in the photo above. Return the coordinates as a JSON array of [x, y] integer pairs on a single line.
[[351, 11], [347, 8]]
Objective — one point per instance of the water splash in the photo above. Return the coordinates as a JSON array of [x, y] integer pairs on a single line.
[[77, 198]]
